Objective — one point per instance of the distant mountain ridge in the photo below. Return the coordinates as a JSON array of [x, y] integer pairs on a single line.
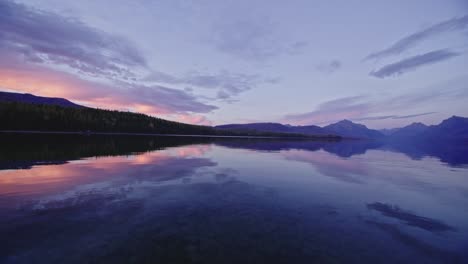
[[453, 128], [389, 131], [344, 128], [409, 131], [33, 99], [277, 128]]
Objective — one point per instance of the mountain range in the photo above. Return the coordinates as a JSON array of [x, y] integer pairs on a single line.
[[33, 99], [454, 127], [344, 128]]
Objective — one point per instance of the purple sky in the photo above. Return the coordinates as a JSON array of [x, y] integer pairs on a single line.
[[380, 63]]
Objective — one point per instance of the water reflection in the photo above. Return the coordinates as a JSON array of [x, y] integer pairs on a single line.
[[199, 200], [103, 174], [341, 169], [452, 153], [435, 253], [24, 151], [432, 225]]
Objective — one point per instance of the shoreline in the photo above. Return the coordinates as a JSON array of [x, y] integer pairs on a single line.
[[159, 135]]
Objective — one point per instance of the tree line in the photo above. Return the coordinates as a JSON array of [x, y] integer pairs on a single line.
[[46, 117]]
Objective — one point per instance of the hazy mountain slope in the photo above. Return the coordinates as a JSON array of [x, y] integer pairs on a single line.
[[343, 128], [412, 130], [276, 127], [346, 128], [455, 127], [33, 99], [389, 131]]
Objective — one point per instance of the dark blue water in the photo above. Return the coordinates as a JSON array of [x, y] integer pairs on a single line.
[[163, 200]]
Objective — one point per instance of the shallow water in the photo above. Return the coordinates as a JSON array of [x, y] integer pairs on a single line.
[[79, 199]]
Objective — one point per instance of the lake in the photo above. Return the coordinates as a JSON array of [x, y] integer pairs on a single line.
[[103, 199]]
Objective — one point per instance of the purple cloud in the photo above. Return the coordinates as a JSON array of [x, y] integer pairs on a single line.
[[454, 24], [412, 63], [32, 40], [228, 84], [175, 101], [252, 39], [48, 38], [110, 94]]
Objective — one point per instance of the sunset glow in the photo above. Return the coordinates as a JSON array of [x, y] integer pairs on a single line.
[[245, 62]]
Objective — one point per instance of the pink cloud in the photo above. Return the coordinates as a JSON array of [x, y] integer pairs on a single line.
[[151, 100]]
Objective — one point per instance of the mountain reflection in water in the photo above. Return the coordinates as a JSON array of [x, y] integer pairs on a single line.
[[119, 199]]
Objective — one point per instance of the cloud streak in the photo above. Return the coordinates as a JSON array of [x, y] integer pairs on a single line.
[[228, 84], [253, 39], [451, 25], [412, 63], [122, 95], [342, 108], [365, 108], [51, 55], [391, 116], [48, 38]]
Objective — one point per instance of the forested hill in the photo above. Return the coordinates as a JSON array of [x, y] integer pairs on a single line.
[[45, 117]]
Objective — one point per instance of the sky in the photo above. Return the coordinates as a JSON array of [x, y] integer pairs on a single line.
[[384, 64]]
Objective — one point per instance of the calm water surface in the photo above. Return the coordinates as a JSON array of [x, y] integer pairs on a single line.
[[78, 199]]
